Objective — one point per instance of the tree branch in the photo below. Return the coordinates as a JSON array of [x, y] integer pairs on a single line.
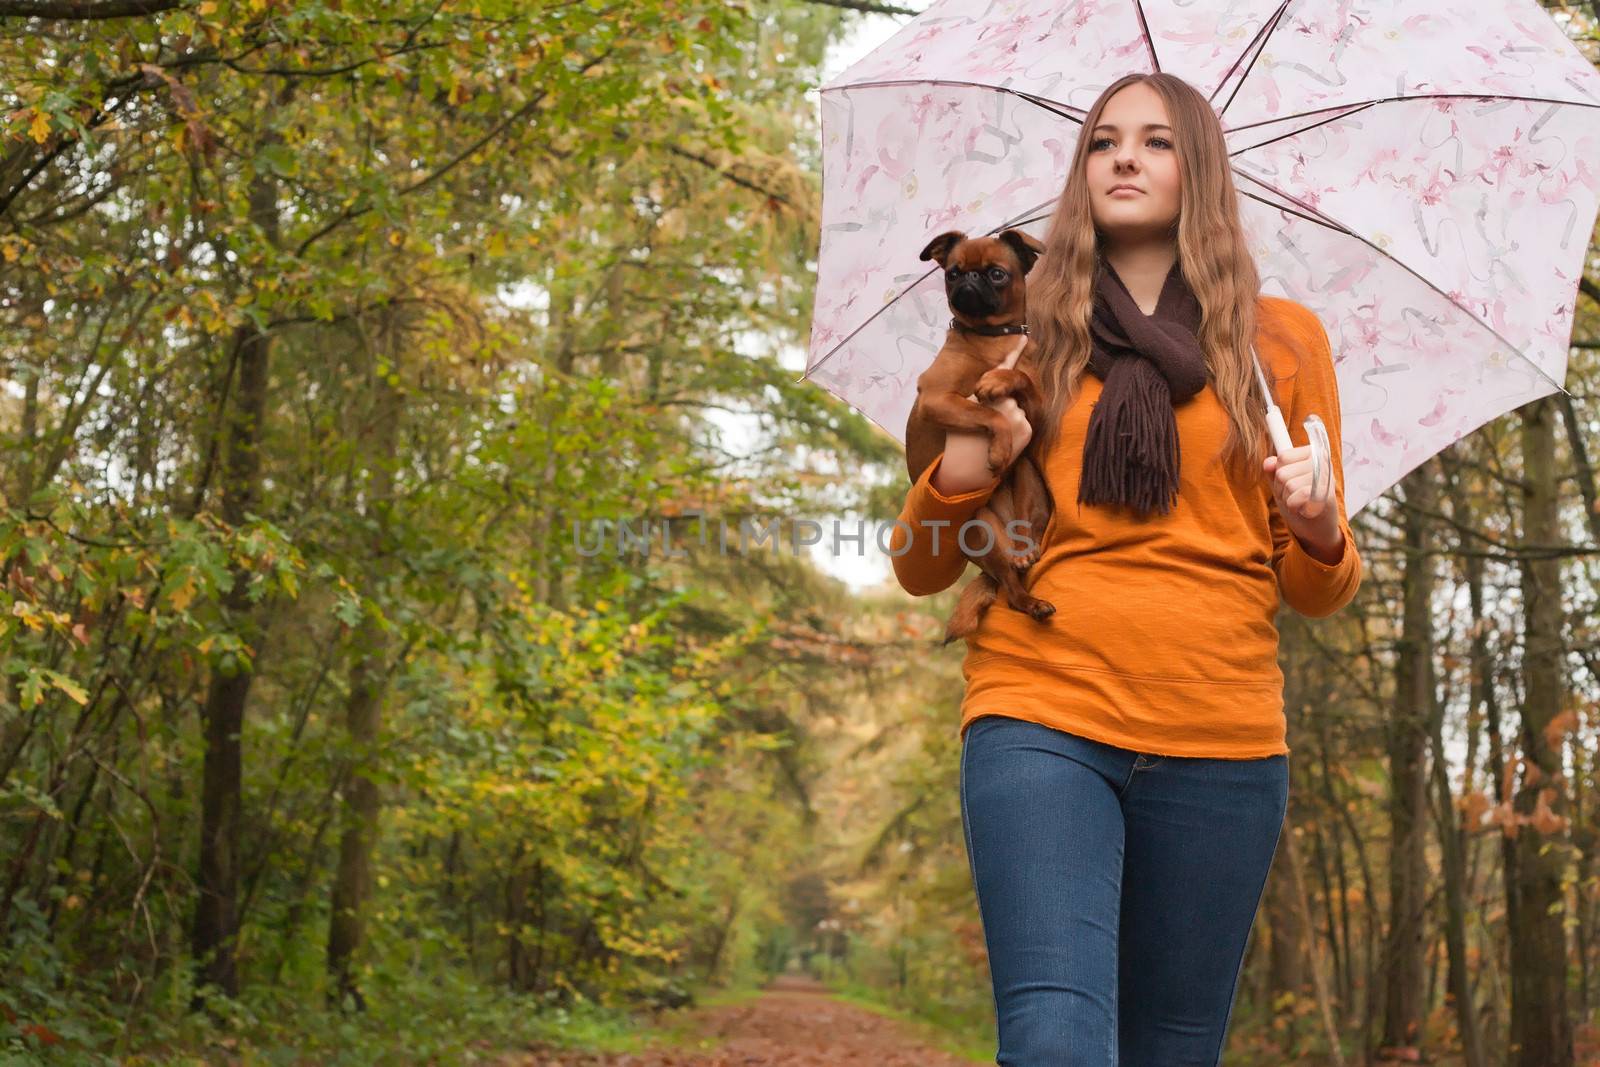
[[84, 10], [866, 6], [732, 177], [353, 211], [1589, 288]]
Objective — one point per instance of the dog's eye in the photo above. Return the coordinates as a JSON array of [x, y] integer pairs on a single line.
[[953, 273], [997, 274]]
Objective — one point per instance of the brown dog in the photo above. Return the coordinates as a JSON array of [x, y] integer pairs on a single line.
[[984, 284]]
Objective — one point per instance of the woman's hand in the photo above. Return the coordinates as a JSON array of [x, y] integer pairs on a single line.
[[966, 455], [1315, 522]]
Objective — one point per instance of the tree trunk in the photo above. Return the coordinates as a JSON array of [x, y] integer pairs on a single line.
[[1407, 740], [1452, 841], [216, 917], [1484, 694], [1330, 1025], [519, 969], [1585, 839], [1289, 932], [1584, 834], [1338, 933], [1288, 962], [720, 938], [1541, 1019], [352, 887]]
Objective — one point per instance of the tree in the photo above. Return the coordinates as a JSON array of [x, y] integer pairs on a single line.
[[1541, 1018]]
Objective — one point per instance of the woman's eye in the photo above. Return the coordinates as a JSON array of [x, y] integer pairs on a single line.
[[1106, 140]]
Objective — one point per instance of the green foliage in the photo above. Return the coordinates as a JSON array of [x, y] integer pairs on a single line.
[[493, 258]]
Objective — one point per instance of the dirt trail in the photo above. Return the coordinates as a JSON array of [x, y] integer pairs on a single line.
[[793, 1023]]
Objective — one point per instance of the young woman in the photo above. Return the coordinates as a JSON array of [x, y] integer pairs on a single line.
[[1124, 771]]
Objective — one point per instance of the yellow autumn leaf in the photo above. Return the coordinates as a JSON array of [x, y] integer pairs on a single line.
[[40, 128], [208, 8], [69, 687]]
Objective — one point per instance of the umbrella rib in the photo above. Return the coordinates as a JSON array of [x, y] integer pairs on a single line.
[[865, 323], [1342, 228], [1017, 220], [1362, 104], [1298, 130], [1324, 223], [1144, 31], [1052, 106], [1040, 102], [1261, 35]]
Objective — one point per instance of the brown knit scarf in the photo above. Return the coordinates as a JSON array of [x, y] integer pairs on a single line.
[[1149, 363]]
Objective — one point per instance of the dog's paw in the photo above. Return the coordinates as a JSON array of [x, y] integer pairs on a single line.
[[997, 383], [999, 457], [1022, 559]]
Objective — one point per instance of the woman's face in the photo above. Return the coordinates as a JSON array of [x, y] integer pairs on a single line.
[[1133, 146]]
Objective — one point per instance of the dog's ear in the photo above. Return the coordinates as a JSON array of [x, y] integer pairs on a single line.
[[940, 246], [1025, 245]]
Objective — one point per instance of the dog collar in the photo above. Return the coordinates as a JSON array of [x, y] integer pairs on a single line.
[[990, 331]]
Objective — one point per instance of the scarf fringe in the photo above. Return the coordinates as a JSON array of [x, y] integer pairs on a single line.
[[1131, 453]]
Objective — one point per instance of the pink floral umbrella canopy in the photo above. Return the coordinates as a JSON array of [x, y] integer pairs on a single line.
[[1424, 180]]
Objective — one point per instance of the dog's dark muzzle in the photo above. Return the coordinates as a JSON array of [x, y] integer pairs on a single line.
[[973, 296]]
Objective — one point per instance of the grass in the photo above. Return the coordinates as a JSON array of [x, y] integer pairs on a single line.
[[601, 1031], [957, 1041]]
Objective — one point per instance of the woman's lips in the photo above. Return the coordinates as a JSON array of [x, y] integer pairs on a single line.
[[1126, 190]]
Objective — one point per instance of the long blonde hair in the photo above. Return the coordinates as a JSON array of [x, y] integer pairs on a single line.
[[1212, 255]]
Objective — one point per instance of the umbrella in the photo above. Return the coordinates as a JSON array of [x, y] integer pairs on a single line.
[[1423, 178]]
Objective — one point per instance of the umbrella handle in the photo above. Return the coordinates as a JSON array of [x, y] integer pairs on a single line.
[[1321, 456], [1316, 436]]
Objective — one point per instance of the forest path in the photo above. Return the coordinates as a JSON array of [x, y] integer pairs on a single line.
[[794, 1022]]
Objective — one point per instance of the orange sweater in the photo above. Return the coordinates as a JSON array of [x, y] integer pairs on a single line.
[[1164, 639]]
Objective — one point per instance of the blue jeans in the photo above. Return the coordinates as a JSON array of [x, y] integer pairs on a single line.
[[1116, 890]]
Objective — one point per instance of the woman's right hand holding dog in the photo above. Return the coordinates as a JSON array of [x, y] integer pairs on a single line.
[[966, 455]]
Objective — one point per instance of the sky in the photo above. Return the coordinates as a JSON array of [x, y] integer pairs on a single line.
[[859, 566]]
